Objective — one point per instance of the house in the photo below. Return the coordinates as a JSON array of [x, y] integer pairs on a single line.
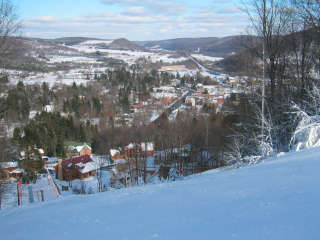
[[76, 168], [133, 171], [77, 149], [133, 150], [115, 154], [147, 148], [11, 169], [50, 162], [33, 153], [132, 162], [48, 108]]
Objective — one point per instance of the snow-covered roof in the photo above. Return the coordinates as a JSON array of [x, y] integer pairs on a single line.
[[130, 146], [79, 148], [9, 164], [120, 161], [32, 114], [48, 108], [147, 146], [80, 164], [19, 170], [88, 167], [114, 152], [50, 159]]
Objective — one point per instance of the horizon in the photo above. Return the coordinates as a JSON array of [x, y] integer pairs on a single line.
[[106, 39], [144, 20]]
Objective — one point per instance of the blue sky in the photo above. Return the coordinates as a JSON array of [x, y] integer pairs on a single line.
[[132, 19]]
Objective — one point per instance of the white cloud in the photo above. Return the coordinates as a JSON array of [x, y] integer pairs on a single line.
[[135, 11], [44, 19], [230, 10], [157, 7], [136, 20]]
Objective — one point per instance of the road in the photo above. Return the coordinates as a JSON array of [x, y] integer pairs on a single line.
[[175, 105]]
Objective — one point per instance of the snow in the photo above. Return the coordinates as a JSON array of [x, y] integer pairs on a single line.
[[43, 184], [307, 133], [154, 116], [76, 59], [278, 199], [147, 146], [159, 95], [89, 167], [114, 152], [120, 161], [51, 78], [201, 57], [8, 164], [95, 42], [19, 170], [130, 146], [79, 148], [126, 55]]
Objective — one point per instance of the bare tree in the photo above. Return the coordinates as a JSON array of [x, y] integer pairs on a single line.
[[3, 186], [99, 165], [270, 20], [309, 11], [9, 25]]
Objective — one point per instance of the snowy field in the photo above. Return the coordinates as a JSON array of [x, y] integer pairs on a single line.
[[52, 78], [129, 57], [278, 199], [204, 58], [75, 59]]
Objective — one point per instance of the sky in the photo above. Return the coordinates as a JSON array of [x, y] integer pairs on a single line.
[[131, 19]]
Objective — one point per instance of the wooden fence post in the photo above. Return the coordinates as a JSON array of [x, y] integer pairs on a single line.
[[42, 195]]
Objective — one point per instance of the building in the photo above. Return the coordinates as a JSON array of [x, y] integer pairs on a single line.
[[132, 162], [11, 169], [200, 99], [133, 150], [74, 149], [76, 168]]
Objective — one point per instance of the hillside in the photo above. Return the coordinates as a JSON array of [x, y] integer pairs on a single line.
[[125, 44], [278, 199], [212, 45], [69, 41]]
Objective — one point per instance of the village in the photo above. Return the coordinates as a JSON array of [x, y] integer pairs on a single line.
[[142, 90], [133, 163], [85, 173]]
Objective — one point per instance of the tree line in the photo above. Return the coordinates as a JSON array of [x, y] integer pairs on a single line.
[[283, 61]]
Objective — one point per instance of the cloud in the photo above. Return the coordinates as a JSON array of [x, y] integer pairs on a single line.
[[135, 11], [230, 10], [140, 20], [44, 19], [157, 7]]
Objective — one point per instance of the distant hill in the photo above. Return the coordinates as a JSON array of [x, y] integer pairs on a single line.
[[125, 44], [211, 45], [69, 41]]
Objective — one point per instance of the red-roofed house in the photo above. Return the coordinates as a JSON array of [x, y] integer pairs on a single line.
[[76, 168]]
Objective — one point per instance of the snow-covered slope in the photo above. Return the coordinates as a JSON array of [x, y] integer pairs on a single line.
[[278, 199]]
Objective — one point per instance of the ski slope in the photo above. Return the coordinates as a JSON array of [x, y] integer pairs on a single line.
[[277, 199]]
